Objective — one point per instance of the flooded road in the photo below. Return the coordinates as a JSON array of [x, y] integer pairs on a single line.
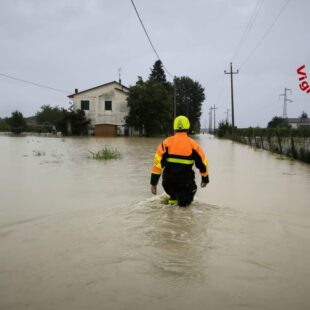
[[76, 233]]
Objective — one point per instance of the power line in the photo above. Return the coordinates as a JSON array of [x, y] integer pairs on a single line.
[[249, 26], [33, 83], [266, 33], [149, 39]]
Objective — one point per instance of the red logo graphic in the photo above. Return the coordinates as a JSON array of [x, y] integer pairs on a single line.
[[304, 85]]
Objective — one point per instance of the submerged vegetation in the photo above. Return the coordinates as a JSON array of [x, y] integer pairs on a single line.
[[106, 154], [38, 153]]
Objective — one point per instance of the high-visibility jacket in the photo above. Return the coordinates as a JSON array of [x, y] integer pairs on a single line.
[[175, 156]]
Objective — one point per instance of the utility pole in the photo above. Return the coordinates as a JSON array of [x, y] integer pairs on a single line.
[[174, 98], [210, 120], [227, 115], [232, 93], [285, 101], [213, 109]]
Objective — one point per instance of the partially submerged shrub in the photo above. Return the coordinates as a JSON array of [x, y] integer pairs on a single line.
[[38, 153], [106, 153]]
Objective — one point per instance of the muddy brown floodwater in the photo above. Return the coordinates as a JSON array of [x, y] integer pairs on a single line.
[[76, 233]]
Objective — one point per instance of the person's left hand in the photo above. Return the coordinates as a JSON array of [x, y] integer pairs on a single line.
[[203, 184], [154, 189]]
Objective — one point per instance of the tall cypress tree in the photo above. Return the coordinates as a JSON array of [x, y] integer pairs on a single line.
[[158, 73]]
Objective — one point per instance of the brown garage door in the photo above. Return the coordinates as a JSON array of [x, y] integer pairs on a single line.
[[105, 130]]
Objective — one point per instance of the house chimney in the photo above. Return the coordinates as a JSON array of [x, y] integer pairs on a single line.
[[119, 76], [76, 91]]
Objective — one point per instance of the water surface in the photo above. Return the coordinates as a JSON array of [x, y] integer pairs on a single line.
[[76, 233]]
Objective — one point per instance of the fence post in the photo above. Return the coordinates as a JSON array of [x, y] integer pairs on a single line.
[[294, 153], [261, 138], [279, 142]]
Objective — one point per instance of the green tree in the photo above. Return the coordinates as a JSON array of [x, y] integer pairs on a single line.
[[136, 115], [3, 124], [150, 109], [224, 129], [63, 119], [16, 122], [278, 122], [158, 73], [48, 114], [189, 98], [303, 115], [151, 103], [77, 120]]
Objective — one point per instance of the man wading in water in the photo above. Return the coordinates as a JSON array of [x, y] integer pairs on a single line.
[[176, 156]]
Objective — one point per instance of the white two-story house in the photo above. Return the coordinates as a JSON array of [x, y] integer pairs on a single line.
[[106, 107]]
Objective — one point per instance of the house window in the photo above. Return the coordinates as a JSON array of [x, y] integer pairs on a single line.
[[84, 105], [108, 105]]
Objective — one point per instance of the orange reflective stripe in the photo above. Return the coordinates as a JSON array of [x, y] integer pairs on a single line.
[[156, 170], [202, 155]]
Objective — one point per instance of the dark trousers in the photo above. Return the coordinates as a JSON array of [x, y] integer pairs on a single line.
[[182, 192]]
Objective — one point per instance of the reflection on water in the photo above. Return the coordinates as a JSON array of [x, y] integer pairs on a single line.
[[176, 238], [76, 233]]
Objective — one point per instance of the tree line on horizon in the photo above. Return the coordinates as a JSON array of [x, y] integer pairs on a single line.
[[276, 124], [48, 119]]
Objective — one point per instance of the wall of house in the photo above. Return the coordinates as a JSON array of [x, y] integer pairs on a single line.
[[97, 97]]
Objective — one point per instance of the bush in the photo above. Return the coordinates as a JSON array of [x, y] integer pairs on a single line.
[[16, 122], [106, 154], [224, 129]]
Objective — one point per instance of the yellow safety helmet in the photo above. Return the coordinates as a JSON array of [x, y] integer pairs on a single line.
[[181, 123]]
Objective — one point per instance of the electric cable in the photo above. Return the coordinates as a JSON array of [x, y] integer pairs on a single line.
[[149, 39], [33, 83], [266, 33], [249, 26]]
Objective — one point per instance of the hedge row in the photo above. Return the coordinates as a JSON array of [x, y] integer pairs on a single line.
[[273, 132]]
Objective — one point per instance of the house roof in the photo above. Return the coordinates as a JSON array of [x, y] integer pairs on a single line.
[[99, 86]]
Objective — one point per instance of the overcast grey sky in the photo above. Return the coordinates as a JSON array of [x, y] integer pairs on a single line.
[[70, 44]]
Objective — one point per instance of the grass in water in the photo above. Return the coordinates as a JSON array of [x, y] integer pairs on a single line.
[[38, 153], [106, 154]]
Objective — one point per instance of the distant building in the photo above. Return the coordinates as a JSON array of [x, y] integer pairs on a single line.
[[106, 107], [299, 122]]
